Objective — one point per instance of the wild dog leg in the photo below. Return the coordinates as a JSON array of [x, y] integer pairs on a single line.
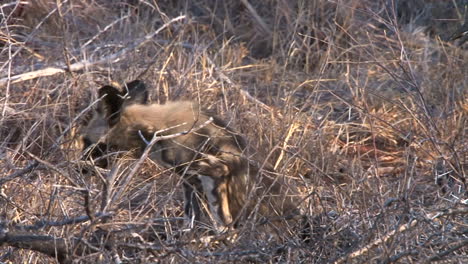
[[215, 190], [191, 203], [193, 192], [214, 174]]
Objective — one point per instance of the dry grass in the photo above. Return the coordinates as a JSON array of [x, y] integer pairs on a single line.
[[360, 103]]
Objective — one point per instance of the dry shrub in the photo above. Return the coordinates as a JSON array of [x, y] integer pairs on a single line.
[[359, 103]]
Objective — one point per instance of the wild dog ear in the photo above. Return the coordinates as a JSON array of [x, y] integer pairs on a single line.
[[137, 93], [111, 104]]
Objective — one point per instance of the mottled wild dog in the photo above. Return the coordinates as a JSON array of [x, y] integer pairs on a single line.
[[208, 154]]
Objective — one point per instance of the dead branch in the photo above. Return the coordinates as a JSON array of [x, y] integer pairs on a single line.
[[176, 249], [67, 221], [404, 228], [20, 172], [49, 71], [54, 247], [440, 256], [376, 242]]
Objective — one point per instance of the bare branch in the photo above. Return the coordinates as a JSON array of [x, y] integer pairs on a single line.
[[441, 255], [54, 247], [376, 242], [20, 172], [67, 221]]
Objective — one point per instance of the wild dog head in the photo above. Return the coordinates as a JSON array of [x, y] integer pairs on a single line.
[[106, 115]]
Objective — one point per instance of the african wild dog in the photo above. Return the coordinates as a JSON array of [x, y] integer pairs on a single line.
[[210, 156]]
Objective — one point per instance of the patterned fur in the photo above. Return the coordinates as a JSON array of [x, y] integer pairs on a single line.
[[210, 157]]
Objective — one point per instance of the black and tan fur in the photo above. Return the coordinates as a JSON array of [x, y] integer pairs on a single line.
[[212, 158]]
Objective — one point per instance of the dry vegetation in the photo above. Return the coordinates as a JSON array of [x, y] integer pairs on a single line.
[[362, 104]]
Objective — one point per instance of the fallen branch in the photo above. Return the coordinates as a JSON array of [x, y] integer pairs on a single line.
[[347, 258], [19, 173], [49, 71], [440, 256], [67, 221], [54, 247], [61, 249], [401, 229]]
